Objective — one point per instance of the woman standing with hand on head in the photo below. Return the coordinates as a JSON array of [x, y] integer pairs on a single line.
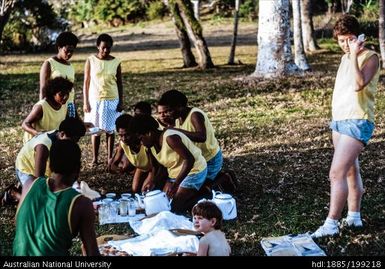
[[352, 124], [103, 93]]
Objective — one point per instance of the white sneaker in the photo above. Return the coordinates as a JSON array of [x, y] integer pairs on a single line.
[[325, 230], [352, 222]]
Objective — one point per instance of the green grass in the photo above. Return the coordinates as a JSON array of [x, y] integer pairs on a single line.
[[274, 135]]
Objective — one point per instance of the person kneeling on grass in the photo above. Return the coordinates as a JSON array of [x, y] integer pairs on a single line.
[[51, 213], [186, 167], [33, 158], [138, 158], [195, 124]]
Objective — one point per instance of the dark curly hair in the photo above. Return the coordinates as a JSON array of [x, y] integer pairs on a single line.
[[142, 124], [56, 85], [73, 127], [65, 157], [209, 210], [105, 38], [173, 98], [123, 122], [66, 39], [346, 25]]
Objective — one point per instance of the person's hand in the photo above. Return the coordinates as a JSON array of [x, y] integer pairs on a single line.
[[148, 186], [119, 108], [87, 107], [112, 168], [170, 189], [355, 46]]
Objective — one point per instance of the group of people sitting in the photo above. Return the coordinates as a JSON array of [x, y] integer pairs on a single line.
[[176, 152]]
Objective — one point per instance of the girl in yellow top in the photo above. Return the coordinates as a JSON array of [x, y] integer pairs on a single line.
[[186, 167], [137, 156], [352, 124], [59, 66], [48, 113], [195, 124], [103, 93]]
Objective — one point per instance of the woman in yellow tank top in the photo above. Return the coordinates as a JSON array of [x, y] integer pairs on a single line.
[[195, 124], [59, 66], [47, 114], [103, 94], [186, 167], [352, 124], [131, 156]]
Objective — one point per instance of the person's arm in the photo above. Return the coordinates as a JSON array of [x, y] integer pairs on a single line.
[[26, 187], [175, 143], [115, 160], [120, 88], [198, 121], [83, 220], [45, 74], [203, 249], [86, 87], [41, 157], [365, 75], [35, 115]]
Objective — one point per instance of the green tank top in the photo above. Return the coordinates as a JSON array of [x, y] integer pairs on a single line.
[[43, 219]]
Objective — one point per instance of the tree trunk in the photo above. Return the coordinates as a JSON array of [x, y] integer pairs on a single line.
[[308, 35], [235, 34], [274, 50], [6, 7], [299, 53], [184, 41], [381, 29], [194, 30], [196, 8]]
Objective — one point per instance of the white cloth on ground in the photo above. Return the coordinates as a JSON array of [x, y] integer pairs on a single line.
[[164, 220], [161, 241]]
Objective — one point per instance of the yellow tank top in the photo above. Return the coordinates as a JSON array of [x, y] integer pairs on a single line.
[[50, 121], [139, 160], [103, 84], [348, 103], [25, 160], [65, 71], [209, 148], [172, 160]]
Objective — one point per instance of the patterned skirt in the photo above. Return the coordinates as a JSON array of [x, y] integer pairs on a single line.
[[103, 114]]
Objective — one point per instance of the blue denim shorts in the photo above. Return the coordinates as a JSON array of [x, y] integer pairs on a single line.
[[22, 177], [362, 130], [214, 165], [193, 181]]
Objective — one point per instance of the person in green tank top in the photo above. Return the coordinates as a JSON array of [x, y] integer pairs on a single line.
[[51, 213]]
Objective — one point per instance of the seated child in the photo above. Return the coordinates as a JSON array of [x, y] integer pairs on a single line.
[[48, 113], [207, 218]]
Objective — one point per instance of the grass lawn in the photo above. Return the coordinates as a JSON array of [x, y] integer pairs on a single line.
[[274, 135]]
